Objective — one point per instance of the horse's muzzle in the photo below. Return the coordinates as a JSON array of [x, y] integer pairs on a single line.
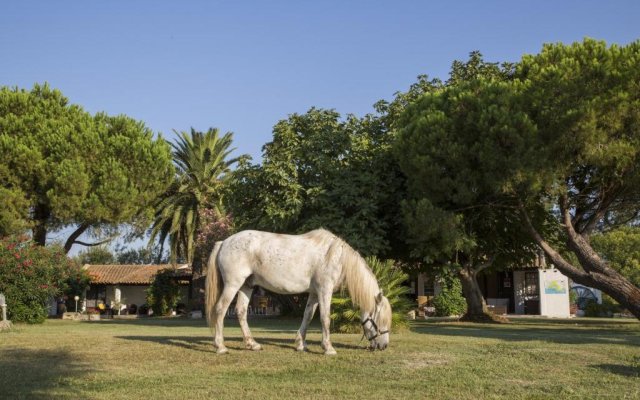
[[378, 346]]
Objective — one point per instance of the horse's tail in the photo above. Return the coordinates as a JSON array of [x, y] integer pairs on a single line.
[[213, 285]]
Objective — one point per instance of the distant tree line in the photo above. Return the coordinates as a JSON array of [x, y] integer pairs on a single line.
[[476, 173]]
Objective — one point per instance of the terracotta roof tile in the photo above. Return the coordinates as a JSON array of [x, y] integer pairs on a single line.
[[130, 274]]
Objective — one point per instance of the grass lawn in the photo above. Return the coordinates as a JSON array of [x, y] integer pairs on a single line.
[[174, 359]]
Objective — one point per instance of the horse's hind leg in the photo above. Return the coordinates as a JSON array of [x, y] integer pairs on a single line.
[[221, 310], [244, 295], [312, 304]]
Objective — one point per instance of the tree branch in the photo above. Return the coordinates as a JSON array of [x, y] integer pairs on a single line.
[[73, 238], [485, 265], [92, 244], [589, 259], [76, 234], [563, 265]]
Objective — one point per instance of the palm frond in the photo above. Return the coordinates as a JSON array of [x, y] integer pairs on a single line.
[[202, 164], [346, 317]]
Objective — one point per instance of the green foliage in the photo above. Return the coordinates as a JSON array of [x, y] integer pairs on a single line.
[[142, 255], [163, 293], [621, 248], [61, 166], [450, 300], [345, 316], [96, 255], [203, 166], [585, 161], [31, 275], [459, 145], [583, 99], [573, 297], [607, 308], [323, 171]]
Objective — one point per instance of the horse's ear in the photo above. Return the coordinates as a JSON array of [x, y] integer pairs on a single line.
[[379, 297]]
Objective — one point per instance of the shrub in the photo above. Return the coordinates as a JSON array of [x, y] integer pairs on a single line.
[[163, 293], [31, 275], [606, 309], [450, 300], [346, 317]]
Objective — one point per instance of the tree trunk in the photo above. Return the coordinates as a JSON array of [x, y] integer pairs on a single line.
[[39, 232], [198, 282], [595, 271], [476, 305], [40, 214]]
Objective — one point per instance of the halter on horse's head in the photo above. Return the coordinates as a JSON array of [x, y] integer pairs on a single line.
[[376, 325]]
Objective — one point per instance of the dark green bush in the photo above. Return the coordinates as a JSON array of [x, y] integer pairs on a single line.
[[450, 300], [32, 275], [163, 293], [606, 309]]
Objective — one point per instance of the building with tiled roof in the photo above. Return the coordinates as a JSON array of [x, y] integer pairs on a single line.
[[123, 287], [131, 274]]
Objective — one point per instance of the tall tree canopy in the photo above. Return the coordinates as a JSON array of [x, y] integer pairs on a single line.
[[457, 143], [322, 171], [553, 149], [62, 167], [584, 99]]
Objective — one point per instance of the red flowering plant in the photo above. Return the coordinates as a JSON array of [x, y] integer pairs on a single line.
[[213, 226], [32, 275]]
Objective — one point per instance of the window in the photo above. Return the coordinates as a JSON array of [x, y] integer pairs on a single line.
[[531, 290]]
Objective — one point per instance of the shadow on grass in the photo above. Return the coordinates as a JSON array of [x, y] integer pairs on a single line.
[[199, 343], [39, 374], [161, 321], [314, 346], [624, 370], [273, 324], [554, 331], [196, 343]]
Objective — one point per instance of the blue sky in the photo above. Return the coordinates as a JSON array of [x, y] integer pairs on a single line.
[[242, 66]]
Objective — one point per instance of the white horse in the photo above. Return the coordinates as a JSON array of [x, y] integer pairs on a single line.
[[317, 262]]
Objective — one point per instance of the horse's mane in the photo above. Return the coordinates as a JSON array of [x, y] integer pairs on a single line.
[[356, 275]]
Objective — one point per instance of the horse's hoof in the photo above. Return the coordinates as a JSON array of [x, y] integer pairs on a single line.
[[330, 352], [222, 350], [301, 348], [255, 347]]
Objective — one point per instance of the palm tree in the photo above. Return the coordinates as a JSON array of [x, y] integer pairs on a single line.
[[202, 165]]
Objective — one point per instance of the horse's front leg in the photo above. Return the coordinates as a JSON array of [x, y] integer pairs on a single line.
[[244, 295], [324, 300], [312, 304]]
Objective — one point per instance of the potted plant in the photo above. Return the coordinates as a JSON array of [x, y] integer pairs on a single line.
[[93, 314], [573, 302]]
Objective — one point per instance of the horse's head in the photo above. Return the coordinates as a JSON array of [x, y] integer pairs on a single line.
[[376, 325]]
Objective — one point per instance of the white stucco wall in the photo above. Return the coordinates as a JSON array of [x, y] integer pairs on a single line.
[[133, 295]]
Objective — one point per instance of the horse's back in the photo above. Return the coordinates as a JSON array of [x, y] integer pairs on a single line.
[[277, 262]]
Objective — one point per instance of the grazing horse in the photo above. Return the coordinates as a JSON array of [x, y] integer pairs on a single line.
[[317, 262]]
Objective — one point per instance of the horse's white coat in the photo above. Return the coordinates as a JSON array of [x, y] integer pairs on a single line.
[[317, 262]]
